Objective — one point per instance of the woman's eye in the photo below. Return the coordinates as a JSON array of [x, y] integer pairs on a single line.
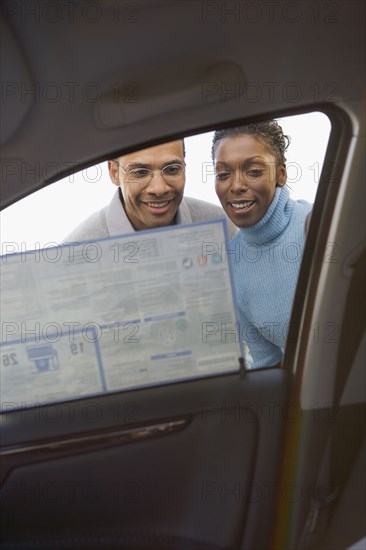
[[222, 176], [254, 173]]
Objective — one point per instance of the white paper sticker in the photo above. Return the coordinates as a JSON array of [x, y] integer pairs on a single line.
[[119, 313]]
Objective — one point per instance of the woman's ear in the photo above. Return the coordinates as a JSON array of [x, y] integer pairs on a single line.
[[281, 175], [113, 171]]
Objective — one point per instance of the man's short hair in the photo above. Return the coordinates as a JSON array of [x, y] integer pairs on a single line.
[[184, 151]]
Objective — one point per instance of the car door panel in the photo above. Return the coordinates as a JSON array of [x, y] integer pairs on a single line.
[[193, 484]]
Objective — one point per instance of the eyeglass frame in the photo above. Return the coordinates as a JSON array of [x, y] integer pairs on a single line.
[[161, 170]]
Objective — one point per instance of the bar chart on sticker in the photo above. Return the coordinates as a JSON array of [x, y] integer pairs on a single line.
[[114, 314]]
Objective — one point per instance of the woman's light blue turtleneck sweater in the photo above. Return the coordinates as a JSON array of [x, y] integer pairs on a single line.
[[265, 258]]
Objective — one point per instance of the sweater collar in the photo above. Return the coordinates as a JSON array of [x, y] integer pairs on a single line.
[[274, 220]]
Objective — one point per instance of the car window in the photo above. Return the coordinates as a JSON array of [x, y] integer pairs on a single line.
[[45, 218]]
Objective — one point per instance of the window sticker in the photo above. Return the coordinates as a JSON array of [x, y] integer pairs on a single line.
[[125, 312]]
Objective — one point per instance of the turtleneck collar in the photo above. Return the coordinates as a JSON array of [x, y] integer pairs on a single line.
[[274, 220]]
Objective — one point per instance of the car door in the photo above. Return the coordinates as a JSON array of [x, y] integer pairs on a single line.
[[193, 464], [188, 465]]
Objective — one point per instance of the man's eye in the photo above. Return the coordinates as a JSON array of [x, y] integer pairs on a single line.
[[222, 176], [139, 172], [173, 169]]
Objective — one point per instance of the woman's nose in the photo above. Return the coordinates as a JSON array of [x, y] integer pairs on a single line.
[[239, 182]]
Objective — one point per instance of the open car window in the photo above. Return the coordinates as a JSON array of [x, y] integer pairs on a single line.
[[67, 317], [45, 217]]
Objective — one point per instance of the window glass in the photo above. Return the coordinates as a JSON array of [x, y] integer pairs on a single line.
[[48, 215], [192, 284]]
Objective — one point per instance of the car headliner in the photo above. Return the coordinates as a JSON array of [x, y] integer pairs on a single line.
[[81, 84]]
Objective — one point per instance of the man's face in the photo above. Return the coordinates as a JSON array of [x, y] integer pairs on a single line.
[[151, 200]]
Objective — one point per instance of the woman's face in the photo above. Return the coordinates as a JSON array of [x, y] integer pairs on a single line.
[[246, 178]]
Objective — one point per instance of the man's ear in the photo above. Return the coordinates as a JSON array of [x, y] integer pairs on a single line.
[[113, 172], [282, 175]]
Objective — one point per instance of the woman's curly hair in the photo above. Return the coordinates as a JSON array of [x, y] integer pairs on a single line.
[[269, 132]]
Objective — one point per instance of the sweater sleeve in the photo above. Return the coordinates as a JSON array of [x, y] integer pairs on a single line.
[[94, 227], [263, 352]]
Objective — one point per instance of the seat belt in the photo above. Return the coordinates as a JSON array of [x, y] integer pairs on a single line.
[[332, 468]]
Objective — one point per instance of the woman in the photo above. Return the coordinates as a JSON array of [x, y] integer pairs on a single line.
[[250, 179]]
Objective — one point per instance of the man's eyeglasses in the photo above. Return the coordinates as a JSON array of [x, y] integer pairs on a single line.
[[170, 173]]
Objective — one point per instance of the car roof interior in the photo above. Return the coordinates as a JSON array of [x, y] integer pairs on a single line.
[[185, 57]]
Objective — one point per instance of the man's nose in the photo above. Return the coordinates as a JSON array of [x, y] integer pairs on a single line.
[[157, 185]]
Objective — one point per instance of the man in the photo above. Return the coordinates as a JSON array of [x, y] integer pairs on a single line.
[[150, 194]]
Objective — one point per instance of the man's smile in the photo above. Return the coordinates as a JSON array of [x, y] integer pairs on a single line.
[[159, 206]]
